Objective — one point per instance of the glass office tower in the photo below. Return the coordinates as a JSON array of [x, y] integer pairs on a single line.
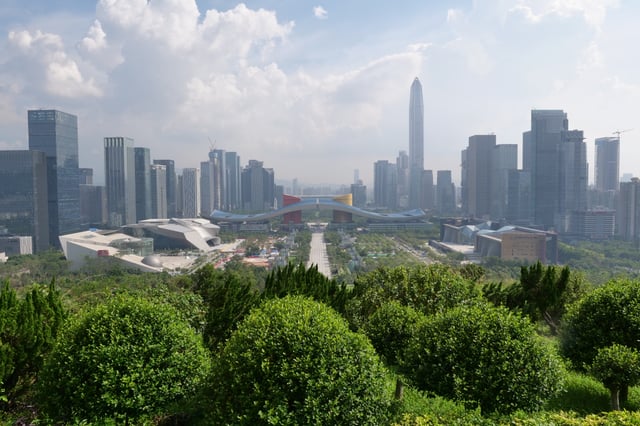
[[56, 134]]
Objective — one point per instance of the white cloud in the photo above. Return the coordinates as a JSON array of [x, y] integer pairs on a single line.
[[46, 63], [593, 11], [320, 12], [95, 39]]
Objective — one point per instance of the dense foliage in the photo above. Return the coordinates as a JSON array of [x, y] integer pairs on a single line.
[[122, 360], [390, 329], [228, 298], [609, 314], [294, 361], [28, 328], [299, 280], [427, 289], [542, 293], [483, 355]]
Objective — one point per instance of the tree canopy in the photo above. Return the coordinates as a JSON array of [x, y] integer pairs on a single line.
[[609, 314], [293, 361], [122, 360], [427, 289], [483, 355], [28, 328]]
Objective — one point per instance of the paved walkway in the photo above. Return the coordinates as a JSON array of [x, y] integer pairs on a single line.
[[318, 254]]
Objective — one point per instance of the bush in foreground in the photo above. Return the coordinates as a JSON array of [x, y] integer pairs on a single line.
[[122, 360], [295, 362], [486, 356]]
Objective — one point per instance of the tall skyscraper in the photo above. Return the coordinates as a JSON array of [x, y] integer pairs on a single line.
[[206, 189], [402, 164], [477, 175], [485, 174], [232, 180], [159, 191], [257, 187], [191, 192], [56, 134], [93, 206], [608, 164], [628, 211], [359, 194], [385, 184], [416, 144], [446, 192], [504, 159], [519, 197], [171, 185], [556, 158], [142, 158], [428, 190], [23, 196], [119, 167]]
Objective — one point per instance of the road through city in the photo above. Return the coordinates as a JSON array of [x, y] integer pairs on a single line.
[[318, 254]]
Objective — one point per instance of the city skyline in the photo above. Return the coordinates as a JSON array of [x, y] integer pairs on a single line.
[[306, 91]]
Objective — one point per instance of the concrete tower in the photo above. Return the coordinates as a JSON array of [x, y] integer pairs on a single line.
[[416, 144]]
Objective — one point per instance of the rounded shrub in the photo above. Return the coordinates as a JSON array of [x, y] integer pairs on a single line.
[[294, 361], [608, 315], [483, 356], [122, 360], [390, 329]]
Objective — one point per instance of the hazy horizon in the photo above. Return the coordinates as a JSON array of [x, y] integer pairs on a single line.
[[316, 90]]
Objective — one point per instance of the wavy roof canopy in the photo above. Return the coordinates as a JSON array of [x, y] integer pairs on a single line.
[[318, 203]]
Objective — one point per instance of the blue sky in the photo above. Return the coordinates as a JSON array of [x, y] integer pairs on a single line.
[[317, 89]]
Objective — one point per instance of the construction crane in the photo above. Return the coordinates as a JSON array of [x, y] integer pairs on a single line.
[[617, 132]]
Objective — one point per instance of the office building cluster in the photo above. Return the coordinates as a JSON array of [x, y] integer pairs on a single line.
[[549, 192], [45, 194]]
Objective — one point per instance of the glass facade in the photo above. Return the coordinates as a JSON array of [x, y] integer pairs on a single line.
[[171, 185], [56, 134], [143, 183], [24, 196], [120, 178]]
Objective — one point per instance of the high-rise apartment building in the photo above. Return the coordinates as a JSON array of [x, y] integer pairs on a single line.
[[119, 167], [56, 134], [142, 159], [158, 191], [171, 185], [24, 197], [191, 192], [416, 144], [607, 164], [556, 159]]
